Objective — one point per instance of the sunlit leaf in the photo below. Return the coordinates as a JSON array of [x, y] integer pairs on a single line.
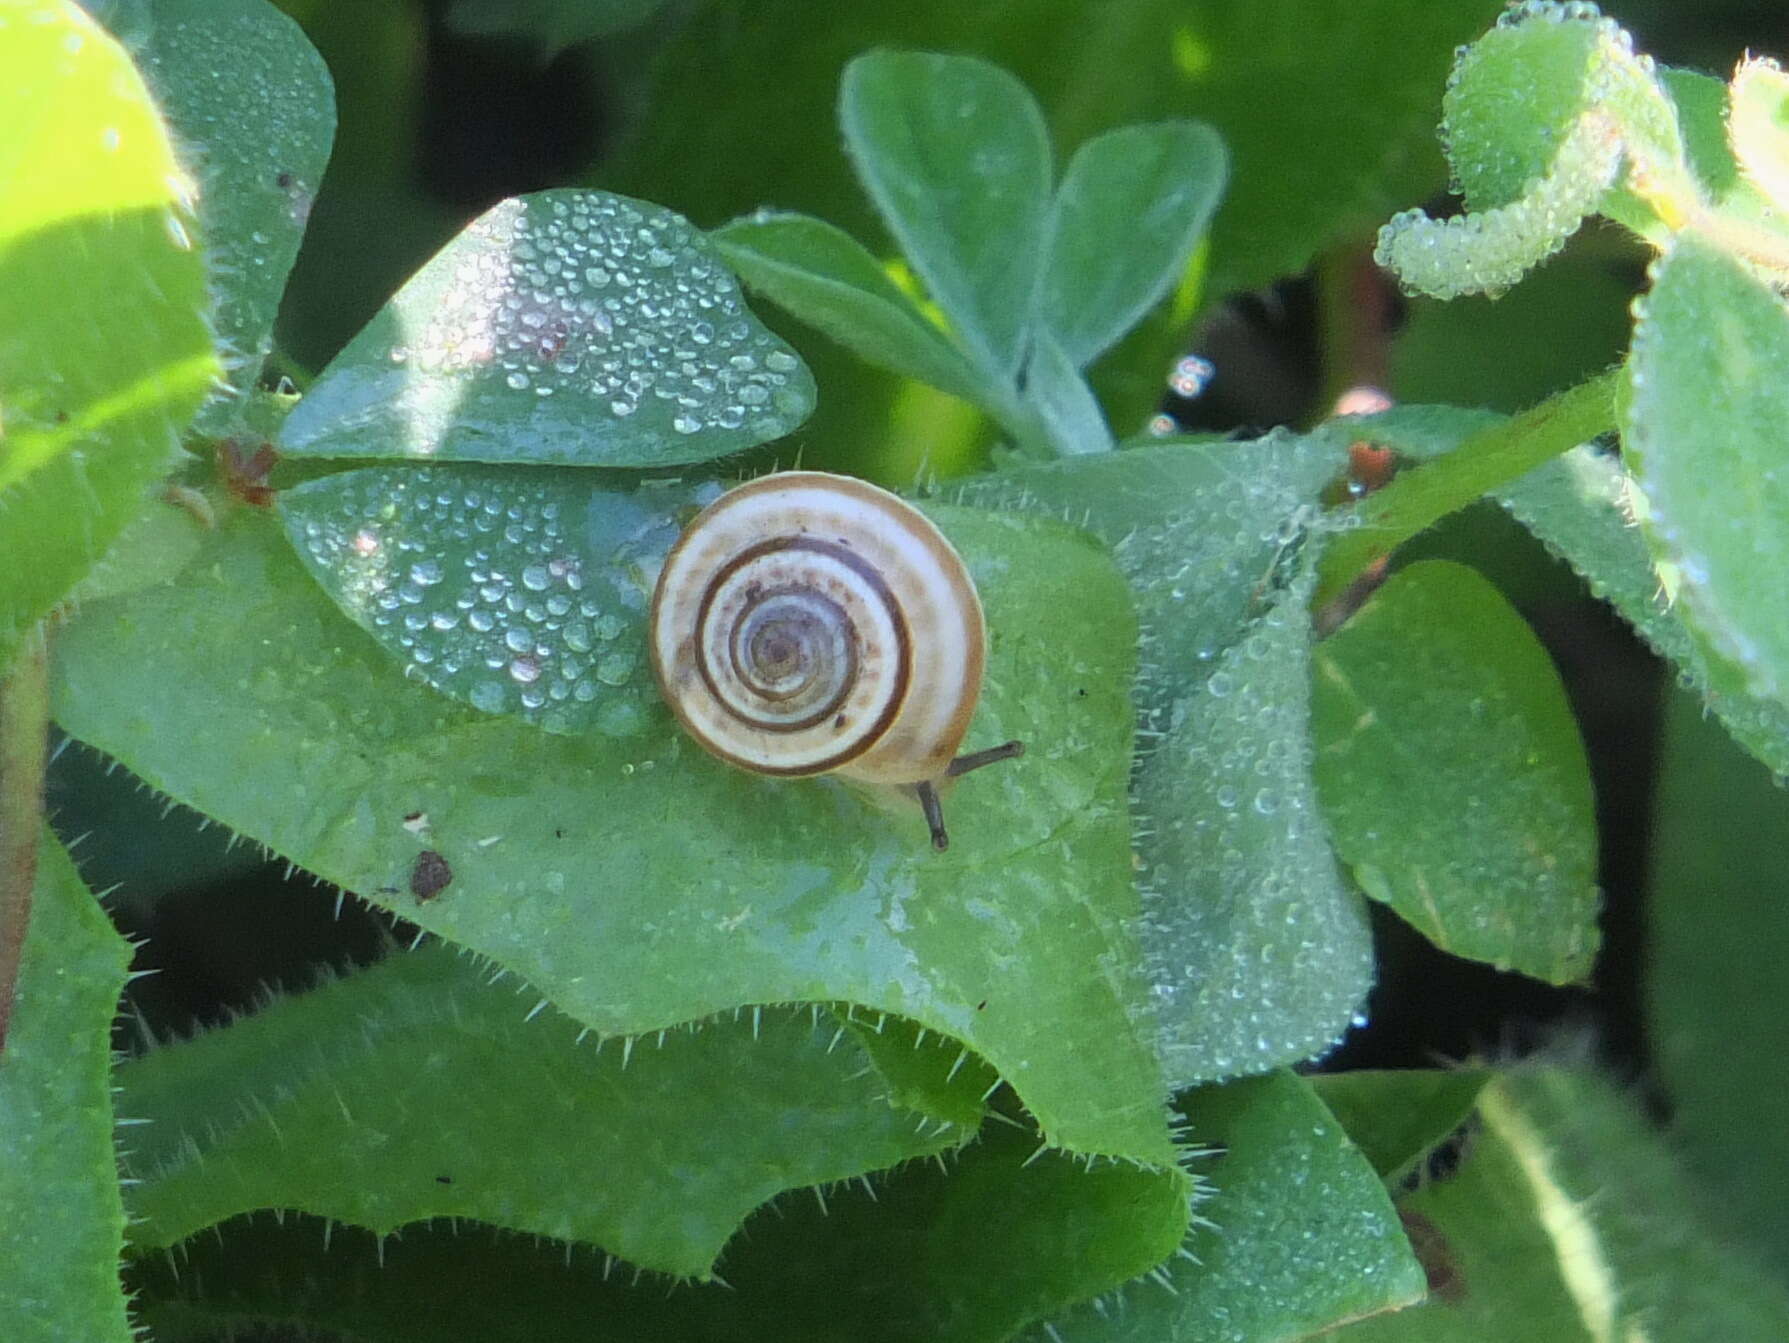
[[1568, 1220], [1270, 956], [105, 350], [517, 592], [571, 327], [1581, 507], [1238, 885], [1548, 117]]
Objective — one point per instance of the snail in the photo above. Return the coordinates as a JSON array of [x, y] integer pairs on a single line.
[[807, 623]]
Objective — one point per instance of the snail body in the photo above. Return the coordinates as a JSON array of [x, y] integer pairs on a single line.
[[807, 623]]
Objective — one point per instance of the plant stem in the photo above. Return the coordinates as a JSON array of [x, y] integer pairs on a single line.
[[24, 751], [1354, 300], [1420, 498]]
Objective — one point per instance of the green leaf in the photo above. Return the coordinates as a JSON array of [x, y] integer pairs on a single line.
[[1703, 436], [1073, 422], [104, 347], [1328, 111], [1489, 250], [970, 1252], [1758, 98], [517, 592], [638, 884], [1517, 92], [1126, 216], [1580, 506], [1744, 209], [1498, 453], [1702, 105], [1199, 530], [924, 1071], [1196, 528], [825, 277], [1453, 777], [153, 547], [1297, 1236], [954, 153], [1270, 959], [566, 327], [1398, 1118], [1543, 116], [254, 110], [503, 1117], [1718, 932], [64, 1222], [1569, 1221]]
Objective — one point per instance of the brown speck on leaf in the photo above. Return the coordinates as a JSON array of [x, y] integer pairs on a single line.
[[430, 876]]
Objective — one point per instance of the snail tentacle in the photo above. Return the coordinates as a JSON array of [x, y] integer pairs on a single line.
[[1007, 750]]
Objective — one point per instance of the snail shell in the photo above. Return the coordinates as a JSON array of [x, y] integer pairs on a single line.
[[807, 623]]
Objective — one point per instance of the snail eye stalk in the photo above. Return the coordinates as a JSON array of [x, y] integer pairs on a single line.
[[928, 793]]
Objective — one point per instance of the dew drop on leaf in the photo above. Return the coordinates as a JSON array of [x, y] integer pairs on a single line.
[[497, 586], [568, 326]]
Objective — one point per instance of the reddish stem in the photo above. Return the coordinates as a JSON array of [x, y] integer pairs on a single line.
[[24, 753]]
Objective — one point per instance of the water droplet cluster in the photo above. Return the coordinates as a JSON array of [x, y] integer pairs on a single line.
[[520, 593], [1258, 954], [1582, 507], [250, 102], [1489, 851], [1536, 181], [1200, 564], [1487, 251], [618, 301], [1206, 533]]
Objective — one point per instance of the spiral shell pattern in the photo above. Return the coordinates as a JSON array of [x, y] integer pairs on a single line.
[[806, 623]]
